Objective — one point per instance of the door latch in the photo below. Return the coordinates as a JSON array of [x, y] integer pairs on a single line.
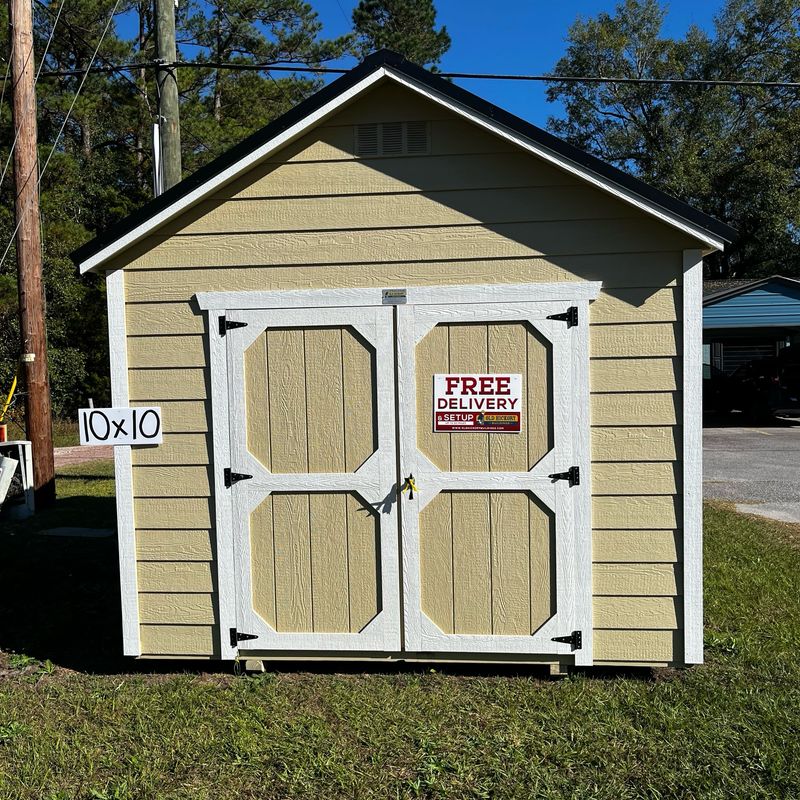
[[572, 475], [410, 485]]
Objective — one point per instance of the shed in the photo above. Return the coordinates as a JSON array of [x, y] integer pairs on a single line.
[[430, 381], [745, 320]]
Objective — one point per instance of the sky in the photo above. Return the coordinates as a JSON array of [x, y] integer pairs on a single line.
[[525, 36]]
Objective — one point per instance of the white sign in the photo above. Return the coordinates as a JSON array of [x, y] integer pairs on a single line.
[[484, 403], [118, 426]]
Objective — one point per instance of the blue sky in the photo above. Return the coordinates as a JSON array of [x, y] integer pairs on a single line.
[[521, 37], [524, 36]]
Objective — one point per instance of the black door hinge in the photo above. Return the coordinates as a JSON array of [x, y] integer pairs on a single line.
[[226, 324], [570, 316], [237, 637], [573, 475], [574, 640], [234, 477]]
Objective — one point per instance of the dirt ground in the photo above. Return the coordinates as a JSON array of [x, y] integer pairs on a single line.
[[66, 456]]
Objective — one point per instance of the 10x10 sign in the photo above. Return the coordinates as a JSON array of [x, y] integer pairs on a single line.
[[119, 426], [477, 403]]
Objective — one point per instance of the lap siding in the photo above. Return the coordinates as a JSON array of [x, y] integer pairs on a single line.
[[635, 367]]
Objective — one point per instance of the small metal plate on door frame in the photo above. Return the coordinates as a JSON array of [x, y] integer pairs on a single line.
[[394, 297]]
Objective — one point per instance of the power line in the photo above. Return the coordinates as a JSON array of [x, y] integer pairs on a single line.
[[63, 124], [35, 81], [343, 14], [491, 76]]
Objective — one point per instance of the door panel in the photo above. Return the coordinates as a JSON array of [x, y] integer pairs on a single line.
[[312, 421], [486, 562], [494, 347], [489, 538]]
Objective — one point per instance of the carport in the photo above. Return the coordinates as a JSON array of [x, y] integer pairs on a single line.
[[745, 320]]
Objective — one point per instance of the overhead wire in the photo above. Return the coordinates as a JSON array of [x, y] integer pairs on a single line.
[[63, 126], [35, 81], [119, 70], [490, 76]]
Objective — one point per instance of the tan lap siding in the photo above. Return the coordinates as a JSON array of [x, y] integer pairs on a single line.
[[317, 217], [173, 508], [636, 481]]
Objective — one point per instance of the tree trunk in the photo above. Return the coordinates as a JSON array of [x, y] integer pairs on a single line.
[[218, 57]]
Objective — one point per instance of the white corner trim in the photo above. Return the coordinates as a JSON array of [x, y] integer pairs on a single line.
[[416, 295], [558, 160], [266, 149], [693, 456], [223, 509], [582, 449], [126, 531]]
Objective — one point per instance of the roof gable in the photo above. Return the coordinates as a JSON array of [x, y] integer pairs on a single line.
[[377, 68]]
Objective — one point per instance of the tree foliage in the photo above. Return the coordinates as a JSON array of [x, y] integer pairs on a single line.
[[406, 26], [731, 151], [101, 169]]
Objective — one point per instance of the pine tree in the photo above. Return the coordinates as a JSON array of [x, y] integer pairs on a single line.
[[405, 26], [221, 107]]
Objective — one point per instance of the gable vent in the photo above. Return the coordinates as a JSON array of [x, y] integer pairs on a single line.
[[392, 139]]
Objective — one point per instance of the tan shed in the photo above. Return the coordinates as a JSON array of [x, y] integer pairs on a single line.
[[430, 386]]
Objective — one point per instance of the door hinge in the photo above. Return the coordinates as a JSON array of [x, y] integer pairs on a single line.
[[574, 640], [573, 475], [237, 637], [570, 316], [226, 324], [234, 477]]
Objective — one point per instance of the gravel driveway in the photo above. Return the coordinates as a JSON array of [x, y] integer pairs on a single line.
[[757, 468]]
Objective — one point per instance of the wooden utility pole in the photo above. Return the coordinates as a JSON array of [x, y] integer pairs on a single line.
[[33, 333], [167, 80]]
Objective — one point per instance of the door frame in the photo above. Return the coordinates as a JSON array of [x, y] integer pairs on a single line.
[[216, 305]]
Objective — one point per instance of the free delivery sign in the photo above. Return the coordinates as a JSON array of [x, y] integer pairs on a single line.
[[482, 403]]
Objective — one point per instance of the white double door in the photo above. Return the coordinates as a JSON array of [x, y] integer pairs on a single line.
[[331, 412]]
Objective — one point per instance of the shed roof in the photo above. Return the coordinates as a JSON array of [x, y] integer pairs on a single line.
[[383, 65]]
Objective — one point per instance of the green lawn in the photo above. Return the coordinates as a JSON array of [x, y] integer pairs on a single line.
[[65, 431], [86, 724]]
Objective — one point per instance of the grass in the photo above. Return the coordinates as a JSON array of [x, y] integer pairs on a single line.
[[85, 724], [65, 431]]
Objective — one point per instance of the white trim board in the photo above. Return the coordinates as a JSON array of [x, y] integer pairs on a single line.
[[693, 456], [126, 530], [223, 508], [416, 295], [382, 73]]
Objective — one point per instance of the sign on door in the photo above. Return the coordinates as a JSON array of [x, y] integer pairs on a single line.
[[483, 403]]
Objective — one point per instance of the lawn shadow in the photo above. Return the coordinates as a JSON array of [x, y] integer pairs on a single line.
[[60, 596]]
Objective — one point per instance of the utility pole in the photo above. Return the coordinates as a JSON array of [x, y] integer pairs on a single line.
[[167, 81], [33, 334]]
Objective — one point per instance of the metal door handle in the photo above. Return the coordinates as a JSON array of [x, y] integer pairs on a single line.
[[410, 485]]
